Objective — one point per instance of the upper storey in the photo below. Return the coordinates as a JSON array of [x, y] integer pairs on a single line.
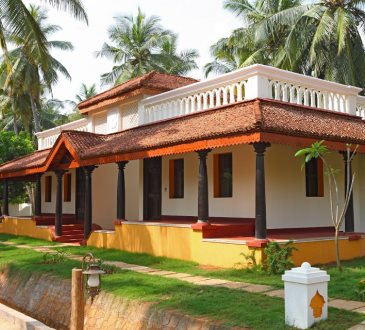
[[154, 97]]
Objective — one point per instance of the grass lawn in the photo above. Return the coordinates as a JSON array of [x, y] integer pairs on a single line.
[[25, 240], [233, 307], [342, 284]]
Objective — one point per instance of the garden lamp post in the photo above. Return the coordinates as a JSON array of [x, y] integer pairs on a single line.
[[92, 272], [91, 269]]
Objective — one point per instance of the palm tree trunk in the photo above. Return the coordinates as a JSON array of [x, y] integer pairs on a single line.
[[15, 127], [37, 126]]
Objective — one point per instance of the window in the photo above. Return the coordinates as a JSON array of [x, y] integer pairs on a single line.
[[176, 178], [48, 189], [67, 187], [223, 175], [314, 178]]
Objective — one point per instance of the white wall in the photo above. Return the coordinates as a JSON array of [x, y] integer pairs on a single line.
[[67, 207], [241, 205], [286, 202], [359, 192], [129, 115], [104, 193], [20, 210]]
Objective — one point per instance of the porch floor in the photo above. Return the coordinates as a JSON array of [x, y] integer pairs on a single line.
[[236, 226]]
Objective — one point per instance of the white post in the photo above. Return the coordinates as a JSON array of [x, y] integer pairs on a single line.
[[258, 86], [351, 104], [306, 298]]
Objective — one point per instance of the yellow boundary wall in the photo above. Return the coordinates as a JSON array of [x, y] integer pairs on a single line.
[[172, 242], [187, 244], [323, 251], [24, 227]]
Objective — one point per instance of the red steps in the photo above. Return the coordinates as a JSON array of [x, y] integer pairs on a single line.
[[71, 233]]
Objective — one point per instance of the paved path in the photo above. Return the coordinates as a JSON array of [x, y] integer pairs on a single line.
[[355, 306], [6, 325]]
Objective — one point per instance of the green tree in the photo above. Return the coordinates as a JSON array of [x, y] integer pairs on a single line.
[[29, 76], [13, 146], [242, 47], [84, 93], [140, 45], [17, 20], [324, 39]]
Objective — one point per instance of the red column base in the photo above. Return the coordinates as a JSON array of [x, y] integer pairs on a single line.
[[200, 225], [259, 243]]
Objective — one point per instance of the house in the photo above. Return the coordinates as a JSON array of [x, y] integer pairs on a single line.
[[199, 170]]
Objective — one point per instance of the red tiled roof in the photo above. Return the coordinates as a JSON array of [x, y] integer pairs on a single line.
[[242, 119], [154, 80], [33, 160]]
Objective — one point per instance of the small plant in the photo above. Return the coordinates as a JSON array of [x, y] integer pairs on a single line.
[[251, 261], [56, 257], [108, 269], [278, 258], [361, 290]]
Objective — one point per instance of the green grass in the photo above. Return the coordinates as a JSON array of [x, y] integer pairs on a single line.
[[25, 240], [233, 307], [342, 284]]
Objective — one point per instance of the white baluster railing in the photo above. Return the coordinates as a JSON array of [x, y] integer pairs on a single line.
[[256, 81], [46, 139]]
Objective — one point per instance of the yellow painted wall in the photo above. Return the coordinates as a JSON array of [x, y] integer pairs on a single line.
[[323, 252], [172, 242], [169, 241], [186, 244], [24, 227]]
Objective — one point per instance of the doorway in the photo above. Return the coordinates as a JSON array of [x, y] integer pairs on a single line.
[[152, 188]]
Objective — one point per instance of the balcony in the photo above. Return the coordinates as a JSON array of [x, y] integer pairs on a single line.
[[256, 81]]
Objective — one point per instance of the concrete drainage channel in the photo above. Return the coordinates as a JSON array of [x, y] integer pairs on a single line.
[[10, 319]]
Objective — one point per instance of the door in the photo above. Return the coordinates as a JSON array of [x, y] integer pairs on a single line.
[[80, 194], [152, 175]]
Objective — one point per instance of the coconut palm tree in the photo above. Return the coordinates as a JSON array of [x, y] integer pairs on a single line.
[[324, 40], [17, 20], [139, 45], [28, 74], [85, 93], [242, 48]]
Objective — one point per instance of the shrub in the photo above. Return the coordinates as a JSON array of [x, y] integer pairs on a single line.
[[54, 257], [361, 290], [278, 258], [107, 268]]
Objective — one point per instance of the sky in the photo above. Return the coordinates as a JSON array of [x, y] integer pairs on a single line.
[[198, 23]]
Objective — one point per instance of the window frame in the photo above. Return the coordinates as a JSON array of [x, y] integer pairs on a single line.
[[67, 187], [218, 173], [48, 188], [314, 182], [174, 192]]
